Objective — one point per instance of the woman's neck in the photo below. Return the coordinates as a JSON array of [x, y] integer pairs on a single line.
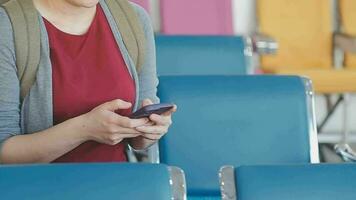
[[66, 16]]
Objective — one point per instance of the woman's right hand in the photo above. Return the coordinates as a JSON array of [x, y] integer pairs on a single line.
[[103, 125]]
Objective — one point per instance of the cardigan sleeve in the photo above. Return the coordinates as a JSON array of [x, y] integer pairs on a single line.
[[148, 80], [9, 82]]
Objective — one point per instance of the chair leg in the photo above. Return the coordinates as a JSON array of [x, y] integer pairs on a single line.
[[346, 127], [328, 154], [330, 109], [329, 103], [343, 148]]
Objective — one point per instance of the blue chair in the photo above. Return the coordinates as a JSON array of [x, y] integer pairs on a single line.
[[201, 55], [294, 182], [91, 181], [236, 120]]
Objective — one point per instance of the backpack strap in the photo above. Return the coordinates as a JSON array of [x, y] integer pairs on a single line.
[[26, 28], [130, 29]]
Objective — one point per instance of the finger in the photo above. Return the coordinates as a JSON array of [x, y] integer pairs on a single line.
[[161, 120], [113, 142], [131, 135], [127, 122], [146, 102], [171, 111], [158, 130], [116, 104], [152, 137], [117, 138], [150, 123], [136, 135], [123, 131]]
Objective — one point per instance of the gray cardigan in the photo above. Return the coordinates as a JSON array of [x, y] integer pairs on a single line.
[[36, 112]]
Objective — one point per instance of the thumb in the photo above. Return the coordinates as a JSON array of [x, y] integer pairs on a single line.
[[116, 105]]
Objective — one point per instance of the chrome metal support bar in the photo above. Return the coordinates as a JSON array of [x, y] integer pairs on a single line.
[[248, 52], [330, 113], [346, 126], [313, 133], [178, 184], [263, 44], [335, 137], [227, 183], [343, 148]]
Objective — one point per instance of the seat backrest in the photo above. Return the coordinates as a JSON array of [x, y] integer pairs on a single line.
[[201, 55], [303, 30], [89, 181], [235, 120], [198, 17], [307, 182], [144, 3], [348, 21]]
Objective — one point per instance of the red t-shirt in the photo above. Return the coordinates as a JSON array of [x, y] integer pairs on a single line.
[[88, 70]]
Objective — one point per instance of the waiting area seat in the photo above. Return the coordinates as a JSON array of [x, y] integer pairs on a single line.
[[198, 17], [304, 32], [292, 182], [236, 120], [91, 181], [201, 55]]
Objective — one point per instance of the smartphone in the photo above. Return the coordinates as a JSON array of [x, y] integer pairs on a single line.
[[152, 109]]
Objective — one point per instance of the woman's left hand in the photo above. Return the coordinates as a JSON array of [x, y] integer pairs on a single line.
[[158, 125]]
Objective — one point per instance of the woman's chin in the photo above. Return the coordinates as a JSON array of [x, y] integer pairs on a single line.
[[84, 3]]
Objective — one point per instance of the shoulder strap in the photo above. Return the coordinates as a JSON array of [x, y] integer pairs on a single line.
[[130, 28], [26, 28]]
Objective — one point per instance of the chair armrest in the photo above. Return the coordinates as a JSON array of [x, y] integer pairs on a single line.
[[264, 44], [345, 42], [178, 183], [227, 183]]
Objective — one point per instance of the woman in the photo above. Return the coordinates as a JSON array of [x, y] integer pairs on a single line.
[[86, 87]]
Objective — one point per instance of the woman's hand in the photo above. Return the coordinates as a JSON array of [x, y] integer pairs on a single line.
[[103, 125], [158, 125]]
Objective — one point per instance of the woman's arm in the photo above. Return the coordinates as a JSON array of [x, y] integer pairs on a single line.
[[15, 148], [101, 124], [44, 146], [148, 80]]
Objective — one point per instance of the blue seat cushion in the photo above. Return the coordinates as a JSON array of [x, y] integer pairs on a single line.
[[84, 181], [307, 182]]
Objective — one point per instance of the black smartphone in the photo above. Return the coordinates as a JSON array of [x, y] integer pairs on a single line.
[[152, 109]]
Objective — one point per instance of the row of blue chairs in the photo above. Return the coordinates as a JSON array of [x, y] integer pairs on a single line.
[[226, 117], [160, 182]]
